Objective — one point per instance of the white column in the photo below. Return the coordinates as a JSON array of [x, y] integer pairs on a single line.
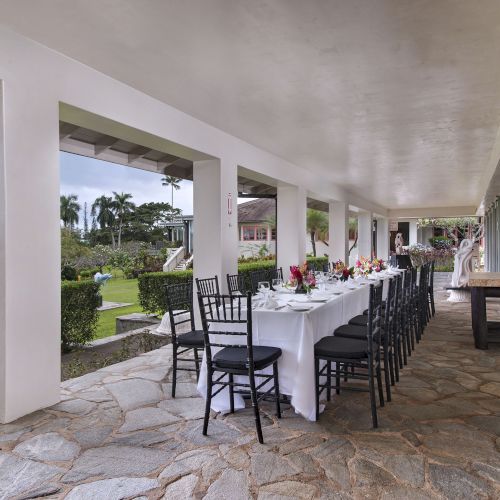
[[413, 236], [365, 234], [215, 234], [338, 231], [30, 292], [383, 238], [291, 227]]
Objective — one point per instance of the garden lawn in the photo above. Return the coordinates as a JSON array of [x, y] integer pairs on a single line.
[[117, 289]]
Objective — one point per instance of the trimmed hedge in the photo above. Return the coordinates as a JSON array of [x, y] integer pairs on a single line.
[[79, 315], [152, 285]]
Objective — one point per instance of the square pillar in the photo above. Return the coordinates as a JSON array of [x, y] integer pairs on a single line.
[[338, 231], [413, 233], [291, 227], [383, 238], [30, 249], [365, 234], [215, 206]]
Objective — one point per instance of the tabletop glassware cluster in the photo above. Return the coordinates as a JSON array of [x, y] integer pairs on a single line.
[[277, 295]]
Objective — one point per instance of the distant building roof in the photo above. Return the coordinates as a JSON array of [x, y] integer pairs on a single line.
[[259, 210]]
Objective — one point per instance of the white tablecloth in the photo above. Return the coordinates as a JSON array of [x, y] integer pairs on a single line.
[[295, 333]]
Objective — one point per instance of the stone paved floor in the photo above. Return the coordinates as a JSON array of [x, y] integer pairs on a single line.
[[117, 434]]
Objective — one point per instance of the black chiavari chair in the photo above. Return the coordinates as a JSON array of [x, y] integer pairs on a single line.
[[225, 319]]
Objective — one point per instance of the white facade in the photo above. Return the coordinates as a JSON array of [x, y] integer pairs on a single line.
[[40, 86]]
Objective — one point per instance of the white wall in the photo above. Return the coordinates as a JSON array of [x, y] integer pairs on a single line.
[[35, 81]]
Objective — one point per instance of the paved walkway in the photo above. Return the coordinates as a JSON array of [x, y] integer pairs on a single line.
[[117, 434]]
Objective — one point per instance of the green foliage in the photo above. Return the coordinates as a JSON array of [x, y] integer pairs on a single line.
[[69, 209], [152, 288], [441, 242], [72, 249], [152, 285], [69, 273], [319, 262], [79, 315]]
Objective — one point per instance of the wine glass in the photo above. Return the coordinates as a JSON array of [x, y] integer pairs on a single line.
[[277, 284], [263, 287]]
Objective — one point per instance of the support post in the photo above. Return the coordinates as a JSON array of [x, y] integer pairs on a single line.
[[413, 236], [291, 227], [30, 258], [215, 207], [383, 238], [365, 234], [338, 231]]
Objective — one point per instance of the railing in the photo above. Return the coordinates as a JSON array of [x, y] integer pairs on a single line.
[[173, 259]]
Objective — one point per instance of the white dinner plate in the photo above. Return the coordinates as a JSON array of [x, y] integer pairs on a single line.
[[319, 300]]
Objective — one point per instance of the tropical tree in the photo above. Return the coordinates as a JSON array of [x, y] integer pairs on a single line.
[[172, 181], [317, 226], [122, 207], [103, 209], [69, 210]]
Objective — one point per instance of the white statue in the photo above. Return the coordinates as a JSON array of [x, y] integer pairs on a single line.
[[461, 268], [399, 242]]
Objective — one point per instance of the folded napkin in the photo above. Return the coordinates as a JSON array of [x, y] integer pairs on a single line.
[[270, 303]]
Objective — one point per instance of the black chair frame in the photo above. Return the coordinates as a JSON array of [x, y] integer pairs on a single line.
[[179, 299], [237, 310], [367, 368]]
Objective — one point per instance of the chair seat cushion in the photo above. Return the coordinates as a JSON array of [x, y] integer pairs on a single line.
[[191, 339], [341, 347], [236, 357], [353, 332], [359, 320]]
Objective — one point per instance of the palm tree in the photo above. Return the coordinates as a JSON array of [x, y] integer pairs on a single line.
[[104, 207], [69, 210], [317, 225], [122, 207], [170, 180]]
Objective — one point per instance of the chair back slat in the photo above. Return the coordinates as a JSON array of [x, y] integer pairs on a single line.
[[179, 299], [230, 310], [236, 284], [375, 314]]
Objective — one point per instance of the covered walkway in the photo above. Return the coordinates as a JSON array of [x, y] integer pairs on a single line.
[[117, 431]]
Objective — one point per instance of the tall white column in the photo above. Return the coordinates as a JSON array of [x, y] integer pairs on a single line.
[[365, 234], [383, 238], [291, 227], [413, 236], [215, 206], [338, 231], [30, 293]]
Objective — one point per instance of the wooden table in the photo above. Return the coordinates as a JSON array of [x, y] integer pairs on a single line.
[[483, 285]]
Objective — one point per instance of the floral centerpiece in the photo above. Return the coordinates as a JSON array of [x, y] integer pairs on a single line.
[[363, 267], [344, 272], [302, 279], [378, 264]]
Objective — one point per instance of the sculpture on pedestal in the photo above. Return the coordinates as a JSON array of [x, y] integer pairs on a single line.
[[461, 268], [398, 243]]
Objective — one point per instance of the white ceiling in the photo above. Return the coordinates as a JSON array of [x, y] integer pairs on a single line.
[[361, 92]]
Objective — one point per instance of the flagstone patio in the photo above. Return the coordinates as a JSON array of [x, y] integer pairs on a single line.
[[118, 434]]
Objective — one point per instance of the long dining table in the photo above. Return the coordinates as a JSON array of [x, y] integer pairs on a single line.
[[294, 324]]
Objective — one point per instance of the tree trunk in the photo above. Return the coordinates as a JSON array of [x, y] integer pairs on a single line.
[[119, 234], [313, 242], [112, 238]]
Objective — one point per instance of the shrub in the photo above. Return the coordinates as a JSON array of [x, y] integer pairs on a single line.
[[79, 302], [88, 273], [69, 273], [152, 288], [319, 262], [441, 242]]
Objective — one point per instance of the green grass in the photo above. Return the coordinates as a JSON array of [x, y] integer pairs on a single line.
[[117, 289]]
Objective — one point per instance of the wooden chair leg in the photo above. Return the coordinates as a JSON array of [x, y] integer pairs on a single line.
[[276, 389], [208, 401], [316, 373], [197, 363], [255, 405], [328, 380], [174, 369], [387, 374], [373, 404], [378, 373], [231, 392]]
